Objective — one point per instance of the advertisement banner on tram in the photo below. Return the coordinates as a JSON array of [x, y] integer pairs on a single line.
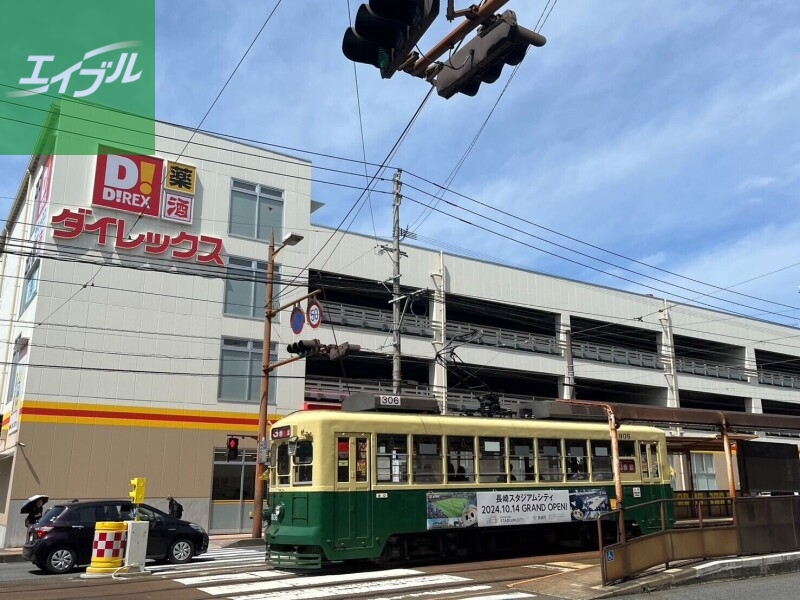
[[447, 510]]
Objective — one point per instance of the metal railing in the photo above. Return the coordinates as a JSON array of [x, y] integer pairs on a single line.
[[618, 356], [685, 365], [761, 525], [374, 319], [778, 379], [334, 389]]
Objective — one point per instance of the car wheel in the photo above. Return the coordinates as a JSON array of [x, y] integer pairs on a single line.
[[60, 560], [180, 551]]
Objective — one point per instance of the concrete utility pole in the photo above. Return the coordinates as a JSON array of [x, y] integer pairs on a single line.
[[396, 375], [670, 358], [569, 380], [439, 324]]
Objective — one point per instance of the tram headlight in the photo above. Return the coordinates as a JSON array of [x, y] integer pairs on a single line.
[[278, 512]]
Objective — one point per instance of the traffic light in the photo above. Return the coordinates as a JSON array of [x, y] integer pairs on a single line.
[[137, 493], [386, 31], [304, 348], [343, 350], [503, 42], [233, 448]]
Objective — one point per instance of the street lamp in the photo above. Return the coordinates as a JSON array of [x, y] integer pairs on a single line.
[[290, 239]]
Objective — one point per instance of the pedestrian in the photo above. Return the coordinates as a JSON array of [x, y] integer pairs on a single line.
[[175, 508], [35, 511]]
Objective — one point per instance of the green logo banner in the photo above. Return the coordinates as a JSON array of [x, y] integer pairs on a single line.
[[77, 76]]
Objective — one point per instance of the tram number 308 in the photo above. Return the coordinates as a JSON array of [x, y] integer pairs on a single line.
[[389, 400]]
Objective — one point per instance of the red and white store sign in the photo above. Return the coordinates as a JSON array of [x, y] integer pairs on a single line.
[[130, 183], [70, 224]]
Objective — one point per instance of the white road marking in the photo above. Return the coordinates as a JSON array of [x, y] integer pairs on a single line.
[[461, 590], [262, 586], [371, 587], [508, 596], [231, 577]]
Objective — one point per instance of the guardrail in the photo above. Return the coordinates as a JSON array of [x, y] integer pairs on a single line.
[[760, 525]]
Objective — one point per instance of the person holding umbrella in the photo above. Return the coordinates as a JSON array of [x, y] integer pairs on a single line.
[[34, 508]]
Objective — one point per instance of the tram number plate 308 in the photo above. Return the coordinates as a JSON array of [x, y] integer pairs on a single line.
[[389, 400]]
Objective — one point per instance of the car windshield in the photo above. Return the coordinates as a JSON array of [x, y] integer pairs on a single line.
[[51, 514]]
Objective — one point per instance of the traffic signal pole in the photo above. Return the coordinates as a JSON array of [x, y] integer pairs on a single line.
[[487, 10], [266, 368]]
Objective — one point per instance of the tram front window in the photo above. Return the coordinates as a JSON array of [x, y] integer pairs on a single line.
[[282, 464]]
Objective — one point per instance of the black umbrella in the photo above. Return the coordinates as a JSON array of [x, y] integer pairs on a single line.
[[26, 508]]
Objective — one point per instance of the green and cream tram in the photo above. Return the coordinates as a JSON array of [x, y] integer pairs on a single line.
[[360, 485]]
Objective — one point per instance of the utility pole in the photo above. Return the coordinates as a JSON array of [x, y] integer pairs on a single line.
[[396, 375], [569, 381], [670, 358], [439, 324]]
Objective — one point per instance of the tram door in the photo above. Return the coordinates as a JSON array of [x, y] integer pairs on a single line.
[[353, 506], [651, 477]]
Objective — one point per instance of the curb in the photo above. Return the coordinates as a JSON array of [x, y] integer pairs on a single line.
[[250, 542], [11, 557]]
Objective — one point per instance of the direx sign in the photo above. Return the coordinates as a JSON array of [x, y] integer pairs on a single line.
[[130, 183]]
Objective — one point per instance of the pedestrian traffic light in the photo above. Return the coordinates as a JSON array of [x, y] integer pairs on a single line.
[[304, 348], [481, 60], [338, 352], [385, 32], [137, 493], [233, 448]]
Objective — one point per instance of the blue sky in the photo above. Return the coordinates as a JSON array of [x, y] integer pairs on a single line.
[[665, 132]]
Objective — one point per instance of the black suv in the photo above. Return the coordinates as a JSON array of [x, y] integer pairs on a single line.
[[62, 539]]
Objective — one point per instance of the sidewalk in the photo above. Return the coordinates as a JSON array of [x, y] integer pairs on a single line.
[[585, 584], [232, 540]]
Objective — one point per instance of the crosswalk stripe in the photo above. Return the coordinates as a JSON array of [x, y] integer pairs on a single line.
[[262, 586], [364, 587], [508, 596], [460, 590], [231, 577]]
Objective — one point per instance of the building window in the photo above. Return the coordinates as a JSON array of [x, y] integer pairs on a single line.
[[703, 475], [240, 370], [245, 288], [256, 211], [31, 285]]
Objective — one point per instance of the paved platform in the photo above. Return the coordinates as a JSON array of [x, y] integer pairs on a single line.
[[584, 582]]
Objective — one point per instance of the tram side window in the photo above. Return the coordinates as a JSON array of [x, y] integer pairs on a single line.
[[550, 460], [343, 460], [521, 459], [492, 460], [362, 460], [282, 466], [427, 459], [392, 458], [627, 457], [643, 461], [303, 457], [577, 467], [461, 454], [602, 469]]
